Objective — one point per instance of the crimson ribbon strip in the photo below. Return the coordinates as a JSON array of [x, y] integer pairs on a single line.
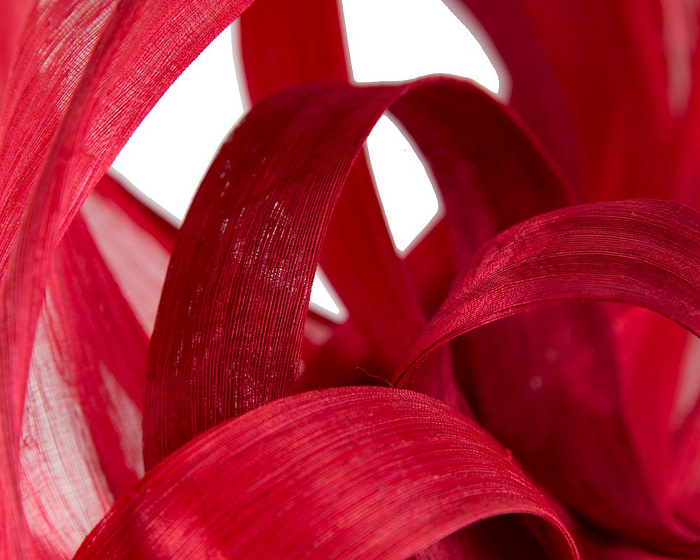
[[227, 337], [641, 252], [363, 472], [83, 76], [274, 38], [123, 56], [283, 46]]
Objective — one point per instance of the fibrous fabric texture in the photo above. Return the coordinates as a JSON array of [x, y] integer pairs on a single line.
[[521, 383]]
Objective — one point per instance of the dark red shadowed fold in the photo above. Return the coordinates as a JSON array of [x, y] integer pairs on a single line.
[[596, 84]]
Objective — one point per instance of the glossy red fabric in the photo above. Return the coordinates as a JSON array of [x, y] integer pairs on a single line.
[[568, 425], [360, 453]]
